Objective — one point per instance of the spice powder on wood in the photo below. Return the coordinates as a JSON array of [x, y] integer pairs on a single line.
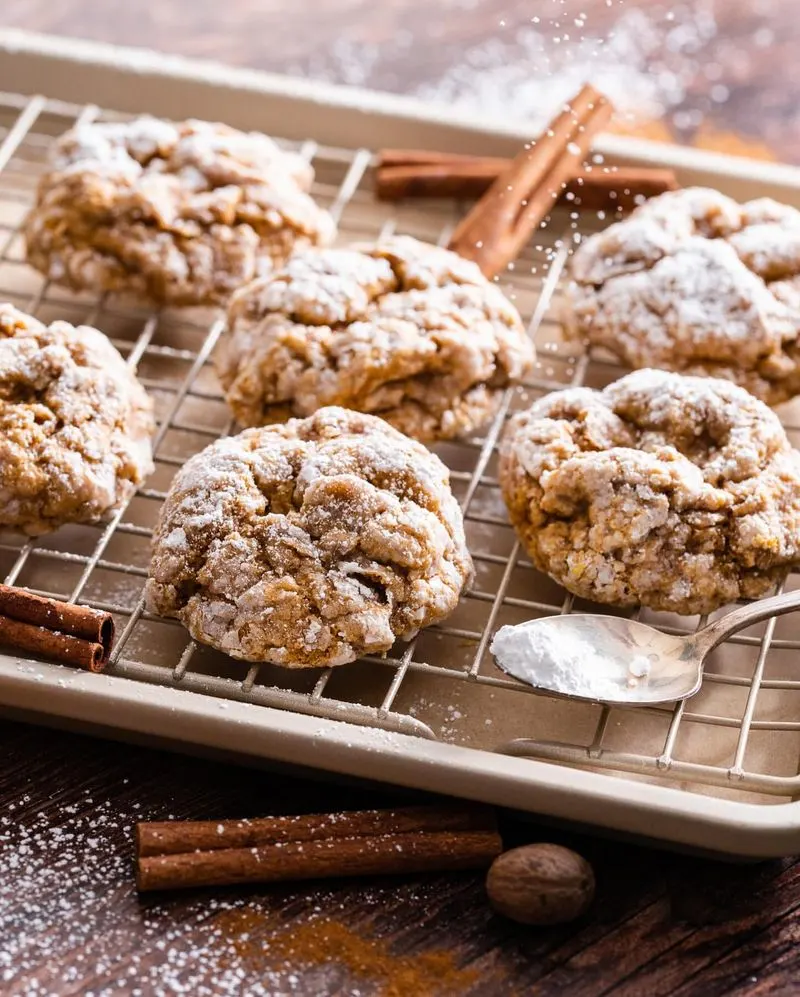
[[326, 941]]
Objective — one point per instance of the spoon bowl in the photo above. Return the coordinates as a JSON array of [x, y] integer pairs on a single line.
[[610, 659]]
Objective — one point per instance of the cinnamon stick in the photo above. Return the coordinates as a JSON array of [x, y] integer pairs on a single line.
[[502, 221], [422, 157], [45, 643], [79, 621], [174, 854], [598, 188], [61, 631], [379, 855], [403, 173], [173, 837], [413, 173]]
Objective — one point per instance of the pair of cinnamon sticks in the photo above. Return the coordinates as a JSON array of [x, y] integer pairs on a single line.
[[495, 230], [178, 854], [58, 631], [518, 196]]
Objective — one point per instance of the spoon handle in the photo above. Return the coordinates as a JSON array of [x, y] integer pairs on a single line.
[[746, 616]]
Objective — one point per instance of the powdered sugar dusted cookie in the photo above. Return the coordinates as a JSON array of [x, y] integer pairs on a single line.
[[694, 282], [679, 493], [309, 543], [75, 425], [408, 331], [181, 214]]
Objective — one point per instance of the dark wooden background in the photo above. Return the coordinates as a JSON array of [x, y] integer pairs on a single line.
[[723, 72], [70, 921]]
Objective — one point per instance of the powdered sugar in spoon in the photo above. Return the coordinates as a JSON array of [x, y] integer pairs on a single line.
[[609, 659]]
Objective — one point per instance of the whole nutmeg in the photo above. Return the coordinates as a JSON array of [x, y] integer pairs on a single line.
[[540, 884]]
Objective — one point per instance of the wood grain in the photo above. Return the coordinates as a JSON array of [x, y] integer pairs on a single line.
[[71, 922]]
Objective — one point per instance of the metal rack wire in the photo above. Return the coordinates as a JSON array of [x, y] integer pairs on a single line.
[[740, 734]]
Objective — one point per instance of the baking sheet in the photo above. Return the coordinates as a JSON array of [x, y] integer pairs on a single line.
[[735, 745]]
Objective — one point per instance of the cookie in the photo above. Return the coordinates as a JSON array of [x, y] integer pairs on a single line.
[[309, 543], [75, 425], [674, 492], [180, 214], [696, 283], [401, 329]]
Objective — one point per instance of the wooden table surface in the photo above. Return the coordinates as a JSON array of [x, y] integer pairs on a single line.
[[70, 920]]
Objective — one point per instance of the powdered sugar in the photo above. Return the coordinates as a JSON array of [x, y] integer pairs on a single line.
[[558, 659], [646, 60], [69, 913], [496, 76]]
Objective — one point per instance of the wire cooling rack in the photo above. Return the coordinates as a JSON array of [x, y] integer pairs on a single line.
[[739, 737]]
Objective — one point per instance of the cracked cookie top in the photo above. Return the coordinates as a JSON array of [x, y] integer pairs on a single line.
[[674, 492], [694, 282], [75, 425], [309, 543], [180, 214], [402, 329]]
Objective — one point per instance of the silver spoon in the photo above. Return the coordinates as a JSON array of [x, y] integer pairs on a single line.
[[609, 659]]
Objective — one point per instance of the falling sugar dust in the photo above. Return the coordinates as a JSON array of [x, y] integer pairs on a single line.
[[647, 61], [643, 60]]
